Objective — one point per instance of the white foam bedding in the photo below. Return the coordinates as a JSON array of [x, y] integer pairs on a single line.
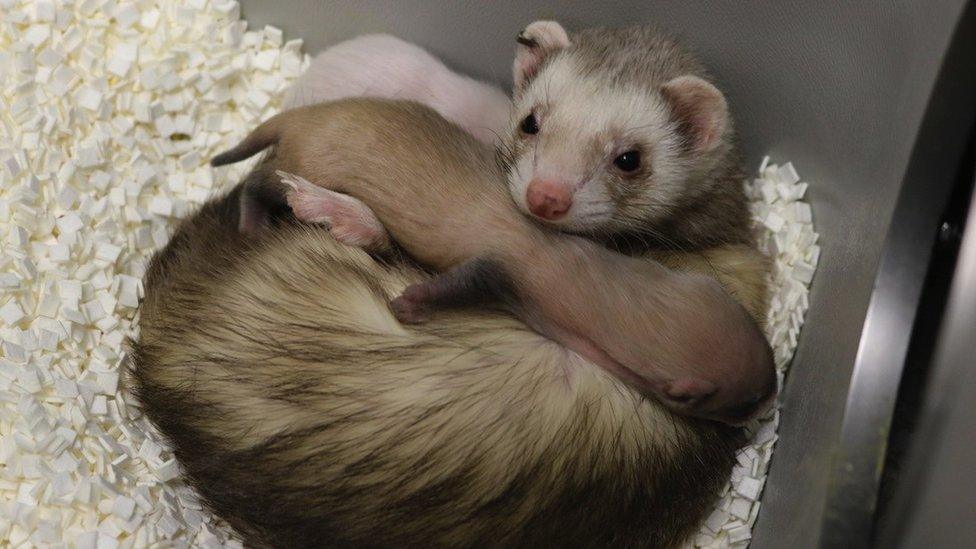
[[109, 111]]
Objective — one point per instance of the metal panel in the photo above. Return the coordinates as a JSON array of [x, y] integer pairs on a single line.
[[931, 176], [937, 496], [837, 87]]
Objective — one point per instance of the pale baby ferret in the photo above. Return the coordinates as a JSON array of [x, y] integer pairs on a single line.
[[386, 67]]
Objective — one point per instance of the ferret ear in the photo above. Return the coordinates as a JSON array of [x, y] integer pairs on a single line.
[[535, 43], [699, 108]]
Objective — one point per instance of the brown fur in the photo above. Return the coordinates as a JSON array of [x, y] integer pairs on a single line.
[[307, 417], [439, 195]]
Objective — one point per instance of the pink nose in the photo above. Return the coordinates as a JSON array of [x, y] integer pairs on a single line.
[[548, 199]]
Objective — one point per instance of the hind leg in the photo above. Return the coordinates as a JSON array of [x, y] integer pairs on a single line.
[[349, 220], [475, 282]]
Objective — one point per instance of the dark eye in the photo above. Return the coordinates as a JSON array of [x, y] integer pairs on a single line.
[[628, 161], [530, 125]]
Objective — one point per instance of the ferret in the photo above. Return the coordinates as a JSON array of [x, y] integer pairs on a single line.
[[619, 134], [306, 415], [438, 192], [384, 66]]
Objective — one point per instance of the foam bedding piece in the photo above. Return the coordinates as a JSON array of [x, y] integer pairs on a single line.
[[109, 111]]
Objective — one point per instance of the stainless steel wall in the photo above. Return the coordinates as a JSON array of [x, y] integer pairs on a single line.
[[837, 87]]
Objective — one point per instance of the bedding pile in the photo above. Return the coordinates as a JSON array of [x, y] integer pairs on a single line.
[[109, 111], [784, 223]]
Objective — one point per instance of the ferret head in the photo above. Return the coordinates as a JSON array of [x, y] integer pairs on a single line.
[[612, 132]]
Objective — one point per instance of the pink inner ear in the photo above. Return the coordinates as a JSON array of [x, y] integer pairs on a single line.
[[700, 108], [526, 65]]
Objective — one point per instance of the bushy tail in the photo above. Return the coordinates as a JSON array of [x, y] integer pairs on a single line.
[[261, 138]]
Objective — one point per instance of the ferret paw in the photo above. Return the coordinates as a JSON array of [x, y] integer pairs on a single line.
[[410, 310], [350, 221]]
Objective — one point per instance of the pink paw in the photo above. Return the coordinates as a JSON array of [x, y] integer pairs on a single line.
[[349, 220]]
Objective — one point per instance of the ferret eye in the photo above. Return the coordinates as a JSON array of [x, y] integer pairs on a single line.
[[530, 125], [628, 161]]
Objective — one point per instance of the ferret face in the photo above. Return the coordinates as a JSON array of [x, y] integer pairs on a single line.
[[592, 170]]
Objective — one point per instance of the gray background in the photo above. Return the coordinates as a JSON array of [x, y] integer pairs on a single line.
[[837, 87]]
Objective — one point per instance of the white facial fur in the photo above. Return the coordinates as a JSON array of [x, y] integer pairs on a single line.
[[583, 125]]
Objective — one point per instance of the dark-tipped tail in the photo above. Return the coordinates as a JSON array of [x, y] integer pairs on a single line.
[[261, 138]]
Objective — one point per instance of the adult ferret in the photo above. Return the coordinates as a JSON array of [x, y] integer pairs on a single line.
[[306, 416]]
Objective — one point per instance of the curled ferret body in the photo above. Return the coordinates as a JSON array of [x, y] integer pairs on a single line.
[[677, 337], [306, 415]]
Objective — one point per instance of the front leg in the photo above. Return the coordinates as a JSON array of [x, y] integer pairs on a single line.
[[474, 282], [350, 221]]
